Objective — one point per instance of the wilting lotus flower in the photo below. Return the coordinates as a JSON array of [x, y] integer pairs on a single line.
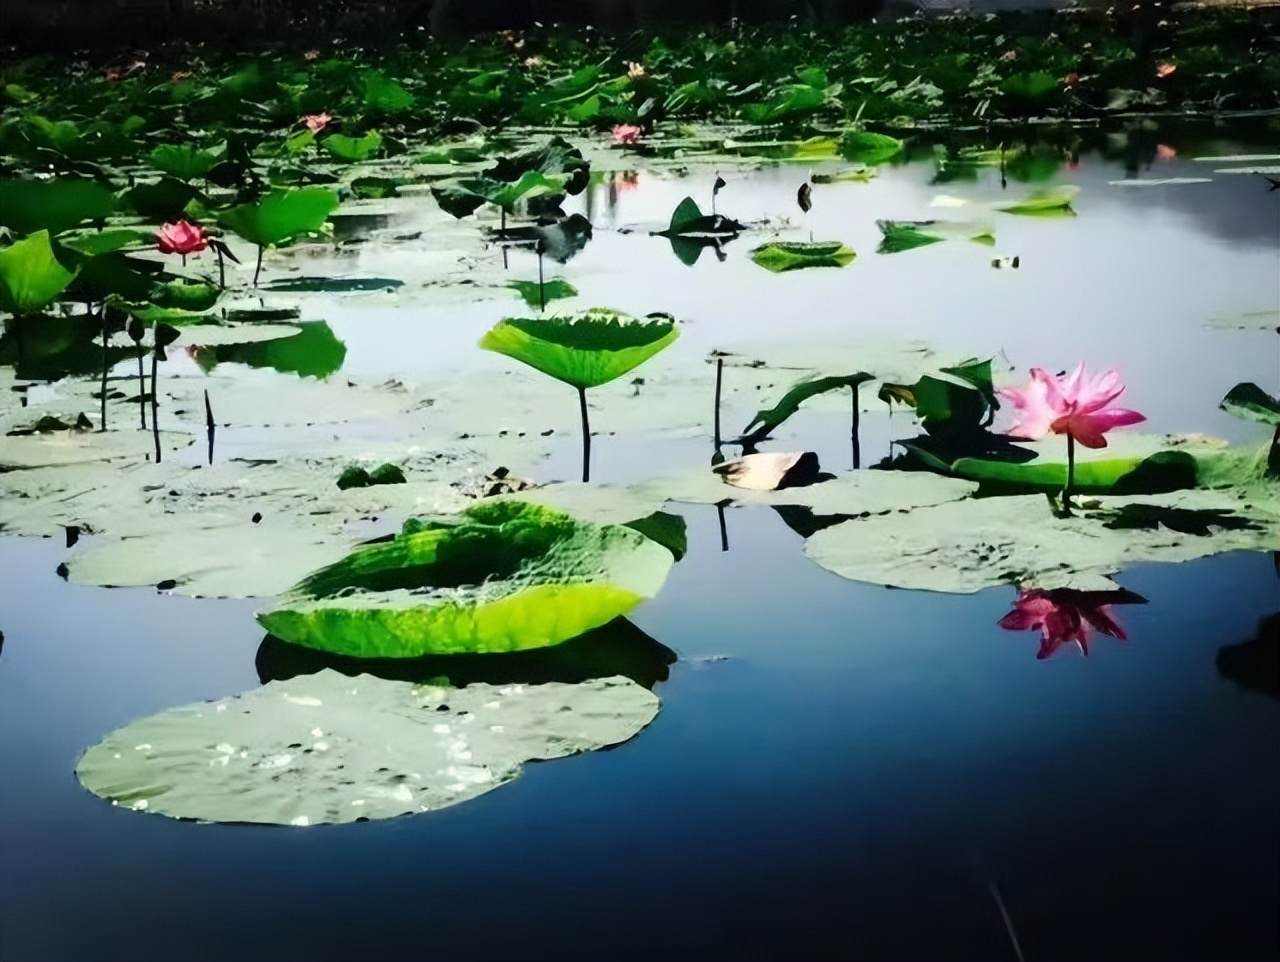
[[1077, 405], [635, 70], [182, 238], [316, 122], [1062, 616], [1165, 69], [626, 134]]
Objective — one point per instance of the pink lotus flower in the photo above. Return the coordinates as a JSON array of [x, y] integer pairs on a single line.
[[1072, 79], [317, 122], [635, 70], [1077, 405], [626, 134], [182, 238], [1164, 70], [1165, 152], [1063, 616]]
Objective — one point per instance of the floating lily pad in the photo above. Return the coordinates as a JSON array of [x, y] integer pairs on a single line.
[[334, 285], [1041, 203], [903, 235], [780, 256], [535, 294], [74, 447], [963, 547], [326, 748], [508, 576]]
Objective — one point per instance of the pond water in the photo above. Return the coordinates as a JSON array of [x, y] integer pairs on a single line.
[[838, 769]]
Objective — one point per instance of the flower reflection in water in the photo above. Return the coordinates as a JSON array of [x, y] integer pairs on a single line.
[[1064, 615]]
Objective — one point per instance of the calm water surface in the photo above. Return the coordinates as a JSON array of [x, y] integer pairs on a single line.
[[839, 770]]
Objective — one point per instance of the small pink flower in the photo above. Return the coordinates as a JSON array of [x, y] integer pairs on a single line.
[[1077, 405], [1165, 70], [626, 134], [534, 61], [311, 55], [317, 122], [182, 237], [1072, 79], [635, 70], [1165, 152], [1062, 616]]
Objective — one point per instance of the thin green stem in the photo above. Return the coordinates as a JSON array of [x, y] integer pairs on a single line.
[[258, 269], [719, 382], [853, 431], [586, 436], [106, 353], [1071, 475], [155, 404]]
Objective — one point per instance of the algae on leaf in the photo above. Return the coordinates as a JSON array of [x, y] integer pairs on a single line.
[[327, 748], [506, 576]]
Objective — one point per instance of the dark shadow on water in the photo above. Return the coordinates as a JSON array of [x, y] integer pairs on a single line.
[[1255, 664], [618, 648]]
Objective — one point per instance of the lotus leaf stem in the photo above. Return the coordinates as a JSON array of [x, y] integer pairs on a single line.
[[1071, 475], [258, 269], [106, 353], [155, 363], [719, 381], [586, 436], [853, 431]]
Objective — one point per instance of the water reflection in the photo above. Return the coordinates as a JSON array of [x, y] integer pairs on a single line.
[[618, 648], [48, 348], [313, 352], [1064, 616], [1255, 664]]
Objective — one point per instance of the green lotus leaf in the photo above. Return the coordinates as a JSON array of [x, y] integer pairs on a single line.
[[865, 147], [767, 419], [327, 748], [384, 95], [689, 220], [585, 350], [905, 235], [31, 275], [281, 215], [28, 206], [463, 196], [1250, 402], [1055, 202], [183, 161], [353, 149], [506, 577], [556, 157], [165, 200], [93, 242], [780, 256], [535, 294]]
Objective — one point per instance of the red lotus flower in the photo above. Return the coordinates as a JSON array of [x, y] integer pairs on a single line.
[[317, 122], [1063, 615], [182, 238], [626, 134]]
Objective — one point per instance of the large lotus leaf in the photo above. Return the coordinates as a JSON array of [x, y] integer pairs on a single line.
[[537, 295], [780, 256], [327, 748], [353, 149], [314, 351], [31, 275], [961, 399], [585, 350], [767, 419], [384, 95], [27, 206], [281, 215], [965, 546], [463, 196], [557, 156], [788, 101], [865, 147], [165, 200], [183, 161], [94, 242], [507, 577]]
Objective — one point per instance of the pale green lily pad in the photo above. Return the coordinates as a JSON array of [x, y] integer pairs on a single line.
[[506, 576], [852, 493], [74, 447], [963, 547], [326, 748], [213, 335], [781, 256], [1268, 320]]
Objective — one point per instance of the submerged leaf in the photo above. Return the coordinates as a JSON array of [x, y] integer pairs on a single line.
[[327, 748], [506, 577], [585, 350]]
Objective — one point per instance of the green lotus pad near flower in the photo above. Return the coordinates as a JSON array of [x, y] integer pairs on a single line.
[[507, 576], [585, 350], [780, 256]]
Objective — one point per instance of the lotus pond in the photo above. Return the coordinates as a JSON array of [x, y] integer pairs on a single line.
[[690, 456]]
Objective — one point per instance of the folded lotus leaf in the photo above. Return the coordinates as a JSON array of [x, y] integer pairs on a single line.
[[506, 577], [780, 256]]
